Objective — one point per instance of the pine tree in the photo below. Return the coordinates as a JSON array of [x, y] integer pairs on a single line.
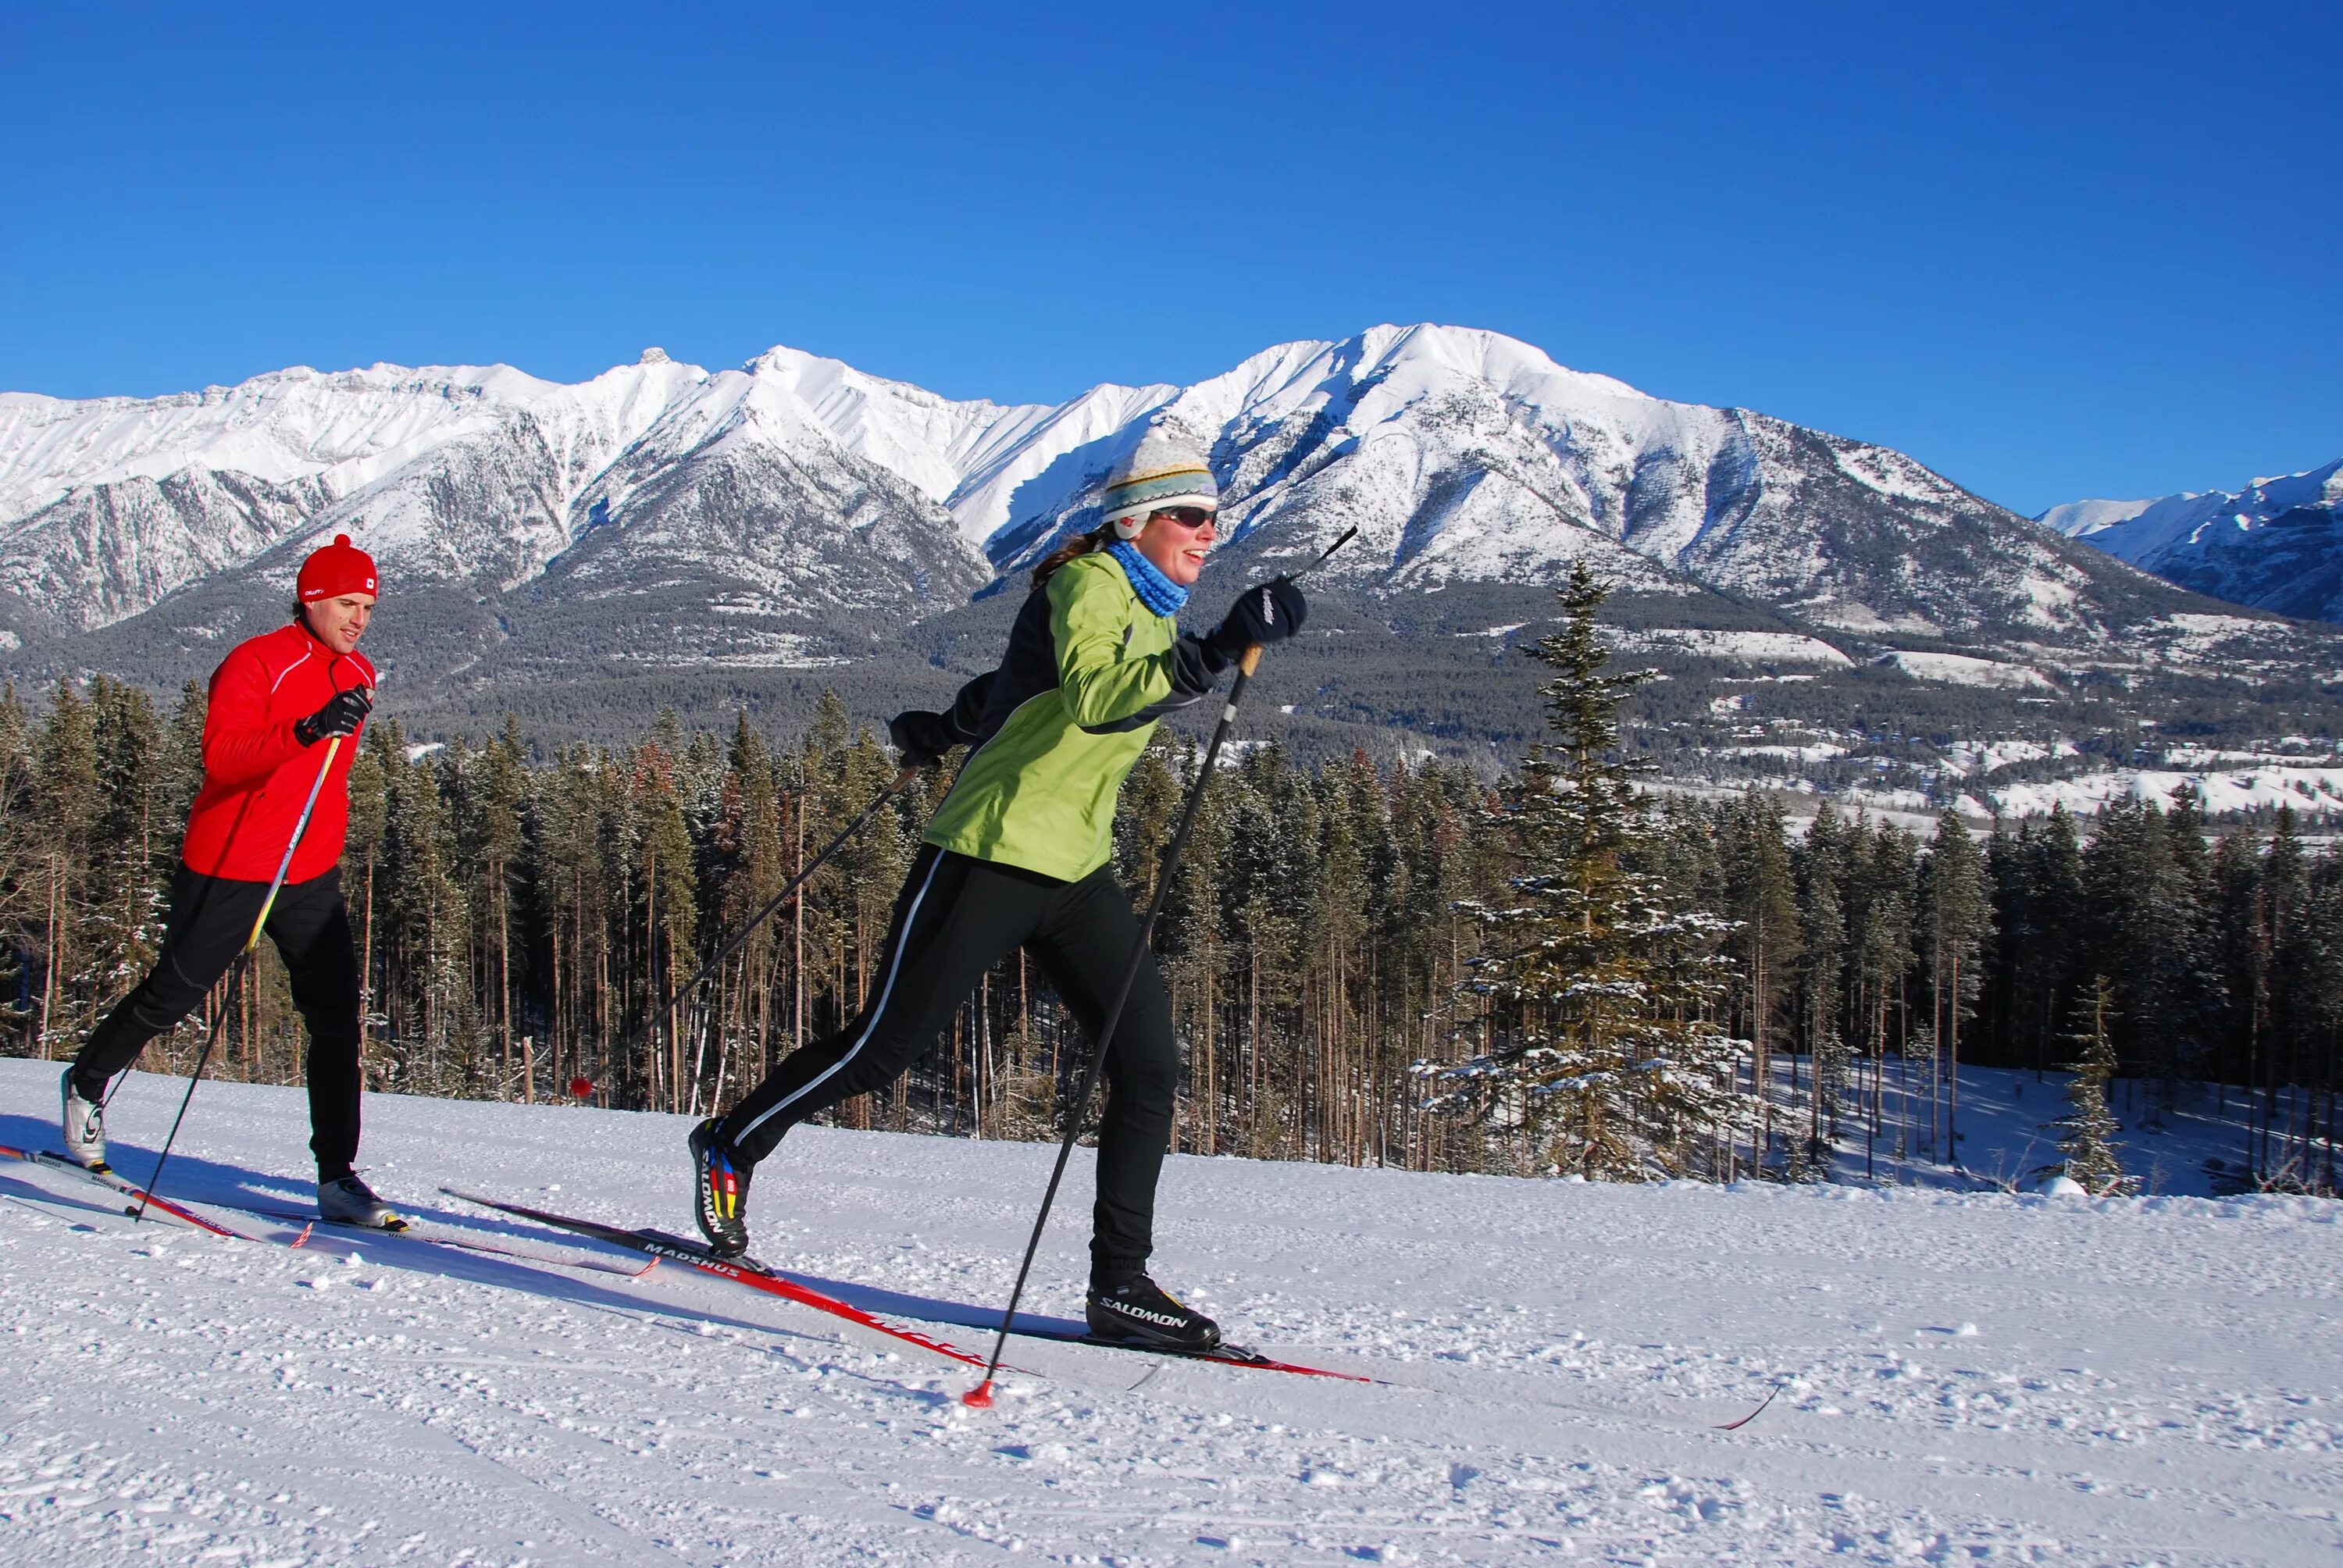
[[669, 925], [1598, 999], [125, 897], [20, 866], [1957, 923], [491, 792], [422, 925], [1884, 891], [1760, 897], [2085, 1133], [1822, 867], [70, 789]]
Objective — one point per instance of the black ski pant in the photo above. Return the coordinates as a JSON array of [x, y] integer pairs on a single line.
[[955, 919], [210, 918]]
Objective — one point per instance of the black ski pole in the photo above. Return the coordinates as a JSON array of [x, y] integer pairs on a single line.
[[243, 965], [980, 1396], [666, 1008]]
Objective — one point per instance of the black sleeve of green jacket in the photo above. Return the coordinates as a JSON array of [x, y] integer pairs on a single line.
[[966, 716]]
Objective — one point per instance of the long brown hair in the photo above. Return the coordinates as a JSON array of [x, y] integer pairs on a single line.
[[1080, 545]]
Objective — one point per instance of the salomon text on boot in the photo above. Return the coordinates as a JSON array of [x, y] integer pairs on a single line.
[[1139, 1312], [720, 1192]]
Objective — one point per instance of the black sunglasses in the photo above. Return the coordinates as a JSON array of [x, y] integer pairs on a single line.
[[1186, 516]]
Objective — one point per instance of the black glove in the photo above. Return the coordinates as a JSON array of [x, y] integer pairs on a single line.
[[921, 736], [342, 716], [1268, 612]]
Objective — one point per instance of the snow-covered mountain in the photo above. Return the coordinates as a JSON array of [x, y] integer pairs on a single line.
[[2275, 545], [796, 495]]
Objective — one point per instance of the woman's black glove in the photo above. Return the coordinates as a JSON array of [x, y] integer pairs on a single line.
[[1269, 612], [342, 716], [921, 736]]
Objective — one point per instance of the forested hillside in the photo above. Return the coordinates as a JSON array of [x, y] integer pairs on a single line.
[[1330, 943]]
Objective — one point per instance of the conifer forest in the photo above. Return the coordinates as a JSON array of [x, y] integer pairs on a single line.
[[1562, 972]]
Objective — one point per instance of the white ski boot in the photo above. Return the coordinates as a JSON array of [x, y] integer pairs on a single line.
[[350, 1201], [84, 1125]]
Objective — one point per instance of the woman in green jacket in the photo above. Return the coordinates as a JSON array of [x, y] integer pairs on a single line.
[[1019, 855]]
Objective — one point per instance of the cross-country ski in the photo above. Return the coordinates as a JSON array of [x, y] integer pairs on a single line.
[[857, 1305]]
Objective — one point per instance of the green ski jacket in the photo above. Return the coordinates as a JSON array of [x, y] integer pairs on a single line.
[[1057, 726]]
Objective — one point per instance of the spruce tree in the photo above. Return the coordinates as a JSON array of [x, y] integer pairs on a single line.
[[2086, 1132], [1599, 996]]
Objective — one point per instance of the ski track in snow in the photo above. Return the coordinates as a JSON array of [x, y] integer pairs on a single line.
[[1964, 1376]]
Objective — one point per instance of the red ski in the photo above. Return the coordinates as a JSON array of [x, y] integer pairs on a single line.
[[739, 1271], [830, 1298], [108, 1177]]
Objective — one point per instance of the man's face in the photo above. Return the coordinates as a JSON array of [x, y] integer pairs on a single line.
[[338, 622]]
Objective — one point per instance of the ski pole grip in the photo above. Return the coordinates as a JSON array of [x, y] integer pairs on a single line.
[[1250, 661]]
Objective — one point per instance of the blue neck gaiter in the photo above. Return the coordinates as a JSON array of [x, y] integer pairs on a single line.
[[1156, 591]]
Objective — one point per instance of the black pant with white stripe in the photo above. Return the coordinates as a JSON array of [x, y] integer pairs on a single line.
[[955, 919]]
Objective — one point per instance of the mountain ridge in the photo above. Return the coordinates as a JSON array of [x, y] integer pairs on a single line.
[[1464, 453], [2275, 545], [662, 534]]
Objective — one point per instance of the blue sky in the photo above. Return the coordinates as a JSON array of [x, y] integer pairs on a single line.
[[2053, 251]]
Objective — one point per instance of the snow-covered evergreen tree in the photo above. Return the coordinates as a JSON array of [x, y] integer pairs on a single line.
[[1597, 1001], [2086, 1132]]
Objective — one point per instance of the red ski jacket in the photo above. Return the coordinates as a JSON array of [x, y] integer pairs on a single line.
[[257, 774]]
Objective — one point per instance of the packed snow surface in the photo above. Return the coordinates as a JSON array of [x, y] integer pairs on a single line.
[[1757, 647], [1961, 669], [1964, 1376], [2311, 792]]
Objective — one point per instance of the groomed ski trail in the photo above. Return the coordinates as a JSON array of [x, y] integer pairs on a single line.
[[1965, 1377]]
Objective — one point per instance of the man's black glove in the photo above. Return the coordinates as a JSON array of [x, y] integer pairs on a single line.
[[342, 716], [921, 736], [1268, 612]]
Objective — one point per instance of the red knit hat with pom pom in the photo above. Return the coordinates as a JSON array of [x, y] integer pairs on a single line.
[[339, 569]]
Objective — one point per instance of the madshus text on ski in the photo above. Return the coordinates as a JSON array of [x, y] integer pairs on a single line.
[[1017, 855]]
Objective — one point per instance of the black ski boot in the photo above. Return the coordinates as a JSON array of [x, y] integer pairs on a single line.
[[1139, 1312], [720, 1192]]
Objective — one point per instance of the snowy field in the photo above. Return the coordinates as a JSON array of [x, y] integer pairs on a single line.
[[1964, 1376]]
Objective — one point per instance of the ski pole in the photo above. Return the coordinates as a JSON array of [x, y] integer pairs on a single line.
[[243, 963], [667, 1008], [980, 1396]]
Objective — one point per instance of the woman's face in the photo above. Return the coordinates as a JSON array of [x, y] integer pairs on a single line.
[[1175, 542]]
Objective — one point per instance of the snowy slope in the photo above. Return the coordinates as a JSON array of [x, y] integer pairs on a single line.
[[2080, 520], [1964, 1376], [2275, 545]]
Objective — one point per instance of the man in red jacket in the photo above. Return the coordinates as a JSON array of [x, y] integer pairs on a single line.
[[275, 700]]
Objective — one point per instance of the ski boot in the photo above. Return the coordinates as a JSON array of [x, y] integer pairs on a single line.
[[720, 1192], [1139, 1312], [84, 1125], [347, 1201]]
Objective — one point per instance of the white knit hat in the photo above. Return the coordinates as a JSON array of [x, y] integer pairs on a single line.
[[1165, 470]]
